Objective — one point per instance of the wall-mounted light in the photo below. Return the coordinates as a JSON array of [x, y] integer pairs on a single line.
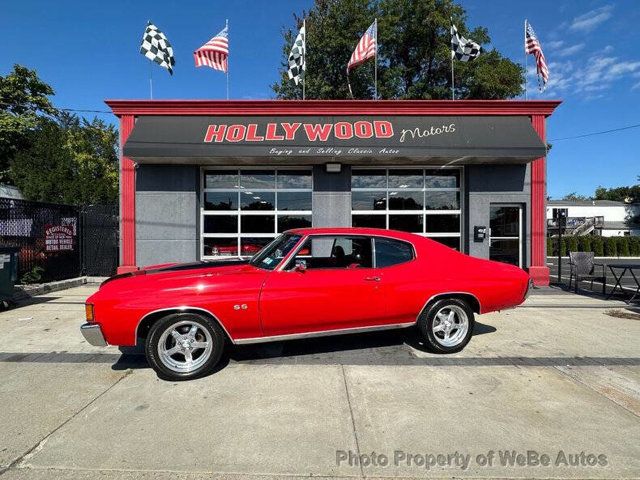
[[334, 167]]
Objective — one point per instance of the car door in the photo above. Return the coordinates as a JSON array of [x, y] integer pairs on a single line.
[[402, 281], [330, 284]]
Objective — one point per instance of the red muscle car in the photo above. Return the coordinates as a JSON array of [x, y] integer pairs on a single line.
[[307, 282]]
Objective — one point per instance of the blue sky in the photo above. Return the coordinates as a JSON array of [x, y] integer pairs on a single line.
[[88, 51]]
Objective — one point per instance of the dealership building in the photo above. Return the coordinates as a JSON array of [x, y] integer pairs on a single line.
[[204, 179]]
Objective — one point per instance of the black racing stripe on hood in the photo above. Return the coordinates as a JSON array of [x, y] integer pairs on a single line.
[[197, 265]]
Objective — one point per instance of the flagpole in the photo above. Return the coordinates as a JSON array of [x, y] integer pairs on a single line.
[[526, 60], [151, 80], [375, 67], [226, 25], [304, 58], [453, 91]]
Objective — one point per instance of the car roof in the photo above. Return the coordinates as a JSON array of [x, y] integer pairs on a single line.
[[356, 231]]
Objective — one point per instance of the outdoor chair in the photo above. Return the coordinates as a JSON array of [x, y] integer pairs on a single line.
[[582, 267]]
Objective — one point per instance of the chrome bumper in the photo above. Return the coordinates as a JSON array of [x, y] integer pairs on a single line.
[[93, 334]]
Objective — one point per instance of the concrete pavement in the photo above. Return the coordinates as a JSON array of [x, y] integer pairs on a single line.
[[558, 377]]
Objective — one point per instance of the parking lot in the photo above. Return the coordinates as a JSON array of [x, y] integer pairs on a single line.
[[558, 377]]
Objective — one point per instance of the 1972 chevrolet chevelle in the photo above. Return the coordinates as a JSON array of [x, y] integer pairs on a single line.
[[307, 282]]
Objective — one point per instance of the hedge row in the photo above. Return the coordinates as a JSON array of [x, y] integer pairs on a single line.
[[601, 246]]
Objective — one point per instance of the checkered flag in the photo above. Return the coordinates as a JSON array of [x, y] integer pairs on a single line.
[[461, 48], [156, 47], [297, 57]]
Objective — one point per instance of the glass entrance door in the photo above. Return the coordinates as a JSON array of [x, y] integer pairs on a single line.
[[506, 234]]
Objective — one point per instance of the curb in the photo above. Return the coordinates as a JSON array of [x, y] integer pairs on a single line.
[[24, 292]]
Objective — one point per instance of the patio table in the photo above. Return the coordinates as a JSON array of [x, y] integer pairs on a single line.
[[623, 268]]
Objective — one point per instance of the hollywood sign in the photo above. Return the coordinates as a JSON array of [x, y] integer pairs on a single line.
[[285, 131]]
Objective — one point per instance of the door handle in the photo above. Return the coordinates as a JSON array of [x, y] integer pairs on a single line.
[[372, 279]]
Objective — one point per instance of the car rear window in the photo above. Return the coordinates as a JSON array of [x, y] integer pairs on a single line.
[[392, 252]]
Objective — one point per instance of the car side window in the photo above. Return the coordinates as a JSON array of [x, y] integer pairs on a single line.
[[335, 252], [392, 252]]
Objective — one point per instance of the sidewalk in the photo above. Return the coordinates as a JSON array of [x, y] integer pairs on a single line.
[[558, 374]]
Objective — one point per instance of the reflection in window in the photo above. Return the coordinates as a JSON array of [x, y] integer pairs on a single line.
[[369, 200], [406, 179], [220, 224], [294, 200], [258, 200], [249, 246], [257, 224], [451, 242], [368, 179], [220, 247], [442, 178], [221, 179], [294, 179], [408, 199], [405, 200], [406, 223], [221, 201], [288, 222], [257, 179], [240, 208], [442, 200], [370, 221], [443, 223]]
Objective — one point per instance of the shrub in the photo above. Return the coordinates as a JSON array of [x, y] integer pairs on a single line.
[[33, 276], [584, 243], [610, 247], [597, 245], [623, 246], [572, 243]]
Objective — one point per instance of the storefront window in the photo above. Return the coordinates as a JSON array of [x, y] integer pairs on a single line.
[[243, 210], [417, 200]]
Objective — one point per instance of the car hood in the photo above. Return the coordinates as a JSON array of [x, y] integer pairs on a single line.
[[174, 271]]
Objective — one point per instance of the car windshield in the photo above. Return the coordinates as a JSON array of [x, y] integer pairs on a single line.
[[271, 255]]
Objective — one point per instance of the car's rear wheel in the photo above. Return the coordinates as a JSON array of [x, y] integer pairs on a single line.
[[446, 325], [183, 346]]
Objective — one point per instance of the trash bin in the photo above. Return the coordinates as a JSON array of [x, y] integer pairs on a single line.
[[8, 272]]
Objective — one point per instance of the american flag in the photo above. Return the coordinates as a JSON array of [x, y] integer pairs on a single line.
[[366, 48], [214, 53], [532, 46]]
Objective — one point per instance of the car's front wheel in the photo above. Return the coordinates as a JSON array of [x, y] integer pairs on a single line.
[[446, 325], [183, 346]]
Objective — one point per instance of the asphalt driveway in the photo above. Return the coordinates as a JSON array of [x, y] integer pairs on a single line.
[[549, 390]]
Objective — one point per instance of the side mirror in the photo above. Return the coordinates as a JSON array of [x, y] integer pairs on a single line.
[[301, 266]]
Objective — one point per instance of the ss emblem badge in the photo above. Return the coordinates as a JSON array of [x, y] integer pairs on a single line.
[[240, 306]]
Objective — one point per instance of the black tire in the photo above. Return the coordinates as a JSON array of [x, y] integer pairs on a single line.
[[436, 342], [164, 326]]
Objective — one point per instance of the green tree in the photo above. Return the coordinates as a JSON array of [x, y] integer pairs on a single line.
[[23, 100], [576, 196], [69, 160], [619, 194], [413, 56]]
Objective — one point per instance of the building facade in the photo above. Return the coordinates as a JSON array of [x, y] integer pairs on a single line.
[[202, 180], [607, 218]]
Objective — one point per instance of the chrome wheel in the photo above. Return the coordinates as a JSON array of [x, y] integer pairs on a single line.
[[450, 325], [185, 346]]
